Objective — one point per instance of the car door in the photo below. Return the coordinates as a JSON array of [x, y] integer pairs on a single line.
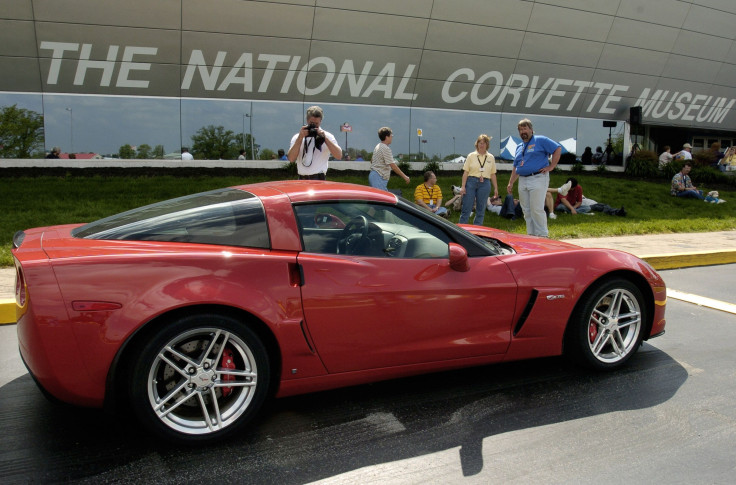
[[386, 308]]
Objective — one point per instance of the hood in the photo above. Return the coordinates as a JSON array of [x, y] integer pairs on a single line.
[[521, 243]]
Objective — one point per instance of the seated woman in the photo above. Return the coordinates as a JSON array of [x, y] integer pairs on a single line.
[[728, 162]]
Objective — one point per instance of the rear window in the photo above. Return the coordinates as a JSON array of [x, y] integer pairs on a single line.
[[228, 217]]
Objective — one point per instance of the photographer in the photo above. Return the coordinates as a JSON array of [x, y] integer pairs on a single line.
[[311, 147]]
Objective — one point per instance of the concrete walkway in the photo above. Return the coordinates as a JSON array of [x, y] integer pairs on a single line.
[[662, 251]]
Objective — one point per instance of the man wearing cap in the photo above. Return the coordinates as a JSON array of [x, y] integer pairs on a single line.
[[535, 158], [685, 153]]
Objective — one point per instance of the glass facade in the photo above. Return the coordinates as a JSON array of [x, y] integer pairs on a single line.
[[105, 74]]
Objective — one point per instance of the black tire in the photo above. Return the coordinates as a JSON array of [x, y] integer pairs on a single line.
[[179, 383], [608, 327]]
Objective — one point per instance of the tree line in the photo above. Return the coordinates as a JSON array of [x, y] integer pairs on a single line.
[[22, 136]]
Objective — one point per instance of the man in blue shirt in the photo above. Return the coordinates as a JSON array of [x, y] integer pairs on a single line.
[[532, 165]]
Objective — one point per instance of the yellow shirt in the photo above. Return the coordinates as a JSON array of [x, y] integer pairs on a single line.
[[477, 165], [430, 195]]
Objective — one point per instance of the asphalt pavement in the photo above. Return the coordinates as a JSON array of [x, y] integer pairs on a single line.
[[662, 251]]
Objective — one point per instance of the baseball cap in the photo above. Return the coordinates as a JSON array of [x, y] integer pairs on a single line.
[[687, 145]]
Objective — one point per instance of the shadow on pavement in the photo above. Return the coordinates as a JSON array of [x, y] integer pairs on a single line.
[[317, 436]]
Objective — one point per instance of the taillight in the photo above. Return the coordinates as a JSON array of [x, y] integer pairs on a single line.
[[20, 287], [18, 239]]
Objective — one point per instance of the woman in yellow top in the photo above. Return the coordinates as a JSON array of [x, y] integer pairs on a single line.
[[478, 173]]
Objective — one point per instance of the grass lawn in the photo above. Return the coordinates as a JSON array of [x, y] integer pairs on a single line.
[[47, 200]]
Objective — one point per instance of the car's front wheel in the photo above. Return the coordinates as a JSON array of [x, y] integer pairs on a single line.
[[608, 327], [200, 378]]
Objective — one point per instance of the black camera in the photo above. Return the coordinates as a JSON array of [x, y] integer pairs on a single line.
[[312, 130]]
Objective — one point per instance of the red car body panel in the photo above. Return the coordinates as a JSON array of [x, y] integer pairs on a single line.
[[337, 328]]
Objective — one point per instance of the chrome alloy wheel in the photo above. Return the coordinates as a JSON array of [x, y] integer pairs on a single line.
[[202, 381], [614, 326]]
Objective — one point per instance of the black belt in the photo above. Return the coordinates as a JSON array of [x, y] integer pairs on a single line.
[[535, 173], [314, 176]]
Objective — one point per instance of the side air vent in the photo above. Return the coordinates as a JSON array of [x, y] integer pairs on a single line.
[[527, 310]]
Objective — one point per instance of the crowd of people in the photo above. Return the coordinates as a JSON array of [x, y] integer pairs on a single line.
[[478, 193]]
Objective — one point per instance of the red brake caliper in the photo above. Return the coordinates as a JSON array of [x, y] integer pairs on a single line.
[[227, 363], [592, 331]]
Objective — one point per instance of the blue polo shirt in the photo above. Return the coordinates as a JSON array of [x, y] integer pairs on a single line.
[[535, 154]]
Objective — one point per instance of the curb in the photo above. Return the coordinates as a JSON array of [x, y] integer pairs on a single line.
[[657, 261], [690, 259], [7, 310]]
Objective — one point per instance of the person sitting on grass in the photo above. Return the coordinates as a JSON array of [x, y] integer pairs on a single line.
[[605, 208], [682, 186], [569, 199], [429, 195]]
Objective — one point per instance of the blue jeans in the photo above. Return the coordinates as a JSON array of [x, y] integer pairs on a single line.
[[440, 211], [475, 192], [377, 181], [580, 210], [692, 194]]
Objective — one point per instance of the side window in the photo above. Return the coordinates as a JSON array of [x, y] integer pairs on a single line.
[[225, 217], [356, 228]]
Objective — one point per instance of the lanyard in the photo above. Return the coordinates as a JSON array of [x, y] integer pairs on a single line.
[[430, 193]]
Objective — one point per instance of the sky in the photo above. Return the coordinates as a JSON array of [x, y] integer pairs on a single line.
[[102, 124]]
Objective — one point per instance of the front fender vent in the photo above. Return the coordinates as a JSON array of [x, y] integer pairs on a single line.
[[527, 310]]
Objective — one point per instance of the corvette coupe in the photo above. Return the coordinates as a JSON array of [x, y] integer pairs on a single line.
[[193, 312]]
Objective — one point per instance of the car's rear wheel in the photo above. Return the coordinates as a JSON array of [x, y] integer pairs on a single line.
[[200, 378], [608, 327]]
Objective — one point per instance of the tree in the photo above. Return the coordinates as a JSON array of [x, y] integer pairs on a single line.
[[215, 143], [266, 154], [144, 151], [126, 151], [21, 132], [158, 152]]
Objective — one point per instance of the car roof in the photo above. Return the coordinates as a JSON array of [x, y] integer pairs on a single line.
[[316, 190]]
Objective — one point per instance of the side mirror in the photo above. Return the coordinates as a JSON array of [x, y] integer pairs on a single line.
[[458, 258]]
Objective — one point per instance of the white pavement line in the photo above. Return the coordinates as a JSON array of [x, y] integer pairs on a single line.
[[702, 301]]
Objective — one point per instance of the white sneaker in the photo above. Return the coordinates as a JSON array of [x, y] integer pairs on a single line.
[[552, 215], [721, 201], [564, 189]]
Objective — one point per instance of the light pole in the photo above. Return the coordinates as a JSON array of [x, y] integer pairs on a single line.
[[250, 130], [453, 146], [250, 121], [71, 130], [244, 116]]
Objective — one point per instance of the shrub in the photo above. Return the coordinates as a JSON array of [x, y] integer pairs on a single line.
[[405, 166], [703, 159], [669, 170], [601, 168], [643, 164], [290, 169], [708, 175], [577, 167], [431, 166]]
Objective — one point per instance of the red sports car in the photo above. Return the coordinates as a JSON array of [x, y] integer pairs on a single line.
[[194, 311]]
